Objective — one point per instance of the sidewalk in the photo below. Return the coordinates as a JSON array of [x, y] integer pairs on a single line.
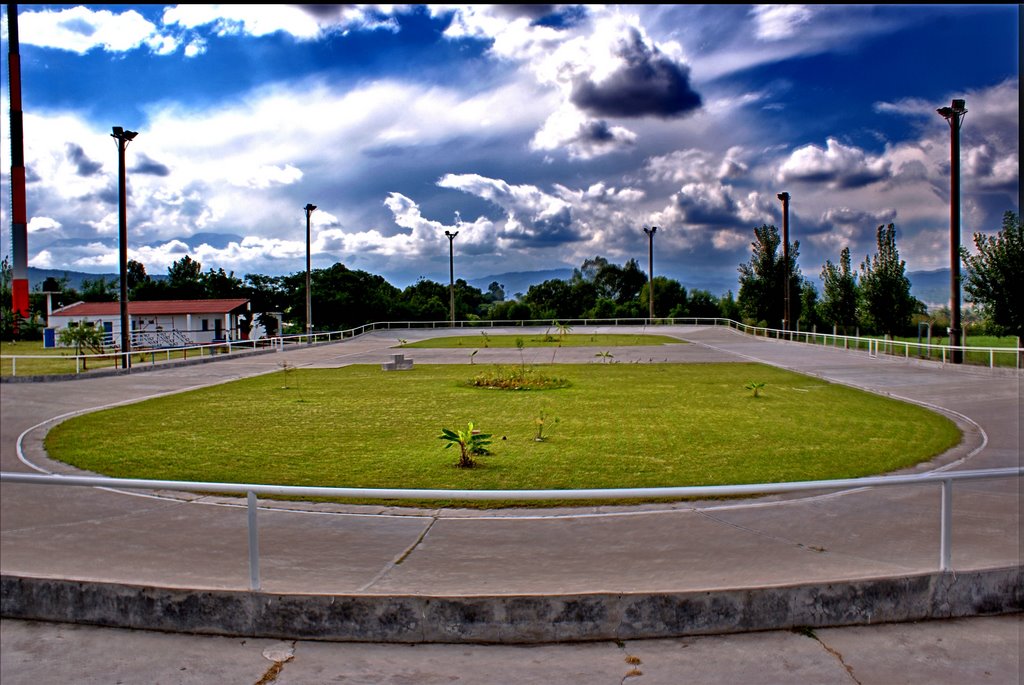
[[526, 574]]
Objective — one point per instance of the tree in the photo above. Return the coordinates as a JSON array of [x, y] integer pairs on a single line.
[[135, 274], [185, 279], [728, 309], [220, 285], [762, 280], [495, 292], [994, 277], [886, 302], [808, 307], [8, 318], [839, 300], [82, 335], [702, 304], [669, 297], [99, 289]]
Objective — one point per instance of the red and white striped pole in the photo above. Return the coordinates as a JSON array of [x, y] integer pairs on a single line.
[[19, 220]]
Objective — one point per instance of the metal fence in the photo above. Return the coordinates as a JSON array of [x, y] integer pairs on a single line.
[[874, 347], [944, 480]]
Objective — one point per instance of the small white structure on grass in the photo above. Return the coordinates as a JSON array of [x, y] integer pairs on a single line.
[[162, 323]]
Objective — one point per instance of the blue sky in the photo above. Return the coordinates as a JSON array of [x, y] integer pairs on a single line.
[[544, 134]]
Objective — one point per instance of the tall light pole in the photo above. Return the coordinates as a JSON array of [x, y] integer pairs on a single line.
[[19, 212], [309, 299], [650, 268], [954, 115], [786, 322], [451, 270], [123, 138]]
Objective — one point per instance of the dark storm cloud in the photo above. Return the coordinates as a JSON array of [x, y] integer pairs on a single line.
[[145, 165], [648, 84], [83, 165]]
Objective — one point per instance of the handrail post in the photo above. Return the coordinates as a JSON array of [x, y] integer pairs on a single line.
[[254, 544], [946, 526]]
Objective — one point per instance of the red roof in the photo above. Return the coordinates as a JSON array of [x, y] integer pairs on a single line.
[[153, 307]]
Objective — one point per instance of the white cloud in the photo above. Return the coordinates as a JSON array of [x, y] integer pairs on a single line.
[[300, 22], [79, 30], [776, 22], [39, 224], [582, 137], [837, 165]]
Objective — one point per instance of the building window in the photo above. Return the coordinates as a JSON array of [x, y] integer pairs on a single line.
[[206, 324]]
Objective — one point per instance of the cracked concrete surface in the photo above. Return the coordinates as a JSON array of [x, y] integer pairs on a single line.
[[956, 652]]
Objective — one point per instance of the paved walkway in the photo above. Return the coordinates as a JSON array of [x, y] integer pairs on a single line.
[[111, 537]]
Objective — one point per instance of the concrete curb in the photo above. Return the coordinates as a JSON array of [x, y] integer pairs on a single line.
[[512, 619]]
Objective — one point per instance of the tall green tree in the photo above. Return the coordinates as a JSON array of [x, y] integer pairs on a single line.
[[763, 279], [994, 277], [886, 302], [221, 285], [669, 297], [99, 289], [838, 305], [185, 279], [702, 304]]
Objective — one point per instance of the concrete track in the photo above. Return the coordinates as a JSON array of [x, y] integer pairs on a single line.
[[390, 574]]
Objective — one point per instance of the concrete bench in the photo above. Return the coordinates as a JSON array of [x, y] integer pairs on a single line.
[[398, 363]]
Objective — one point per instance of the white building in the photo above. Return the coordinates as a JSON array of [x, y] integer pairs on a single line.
[[162, 323]]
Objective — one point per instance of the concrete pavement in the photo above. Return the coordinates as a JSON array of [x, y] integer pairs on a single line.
[[970, 651], [580, 573]]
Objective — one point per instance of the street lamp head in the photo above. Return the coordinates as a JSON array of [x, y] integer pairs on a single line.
[[121, 134], [310, 207], [783, 196], [450, 235], [650, 231], [950, 114]]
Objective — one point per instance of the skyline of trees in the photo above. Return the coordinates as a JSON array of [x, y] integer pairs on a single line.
[[877, 298]]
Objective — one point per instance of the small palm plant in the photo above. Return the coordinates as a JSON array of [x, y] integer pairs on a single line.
[[471, 443], [606, 356], [755, 388]]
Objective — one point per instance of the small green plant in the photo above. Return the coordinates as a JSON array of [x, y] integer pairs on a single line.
[[540, 427], [563, 330], [516, 378], [520, 344], [471, 355], [755, 388], [288, 370], [487, 338], [471, 443], [403, 342], [606, 356]]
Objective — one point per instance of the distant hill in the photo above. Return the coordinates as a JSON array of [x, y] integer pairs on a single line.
[[520, 281], [75, 278]]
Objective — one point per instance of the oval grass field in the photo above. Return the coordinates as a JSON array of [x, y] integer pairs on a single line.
[[616, 425]]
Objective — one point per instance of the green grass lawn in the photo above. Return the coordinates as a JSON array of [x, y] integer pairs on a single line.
[[615, 426], [549, 339]]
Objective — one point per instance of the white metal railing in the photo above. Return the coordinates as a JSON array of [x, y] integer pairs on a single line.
[[945, 480], [873, 346]]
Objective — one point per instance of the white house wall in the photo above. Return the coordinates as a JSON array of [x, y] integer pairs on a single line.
[[190, 326]]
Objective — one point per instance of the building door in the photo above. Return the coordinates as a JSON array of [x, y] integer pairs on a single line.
[[218, 329], [108, 333]]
